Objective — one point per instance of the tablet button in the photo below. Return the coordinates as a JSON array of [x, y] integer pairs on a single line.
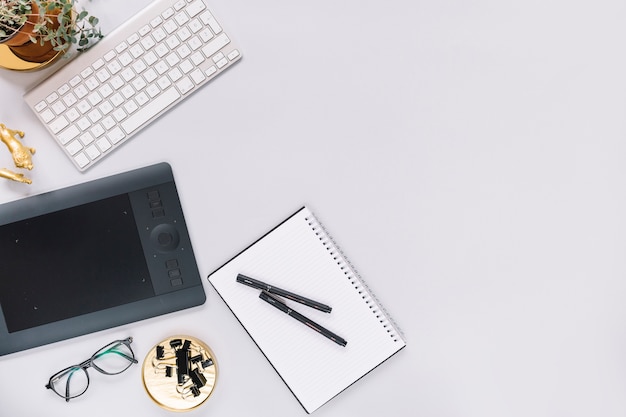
[[176, 282], [165, 237]]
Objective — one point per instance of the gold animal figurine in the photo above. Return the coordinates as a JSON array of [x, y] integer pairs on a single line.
[[21, 154]]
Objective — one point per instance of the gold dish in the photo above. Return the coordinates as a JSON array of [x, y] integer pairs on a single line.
[[179, 373], [9, 60]]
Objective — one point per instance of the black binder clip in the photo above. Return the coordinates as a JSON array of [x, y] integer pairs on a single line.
[[174, 343], [160, 352]]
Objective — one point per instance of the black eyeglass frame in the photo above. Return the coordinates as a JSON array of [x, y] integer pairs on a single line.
[[83, 366]]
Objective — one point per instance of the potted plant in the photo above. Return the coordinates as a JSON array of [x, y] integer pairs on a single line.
[[37, 29]]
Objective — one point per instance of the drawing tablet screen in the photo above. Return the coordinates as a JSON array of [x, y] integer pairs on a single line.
[[71, 262]]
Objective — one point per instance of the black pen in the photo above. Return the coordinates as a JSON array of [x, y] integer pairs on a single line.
[[255, 283], [265, 296]]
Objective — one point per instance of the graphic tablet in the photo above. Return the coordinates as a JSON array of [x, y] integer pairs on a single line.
[[94, 256]]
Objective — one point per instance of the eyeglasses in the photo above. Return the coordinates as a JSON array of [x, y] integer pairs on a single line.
[[113, 359]]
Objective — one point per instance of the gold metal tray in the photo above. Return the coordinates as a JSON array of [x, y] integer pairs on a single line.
[[10, 60], [172, 388]]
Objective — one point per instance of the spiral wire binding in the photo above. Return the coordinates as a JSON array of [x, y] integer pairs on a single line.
[[355, 279]]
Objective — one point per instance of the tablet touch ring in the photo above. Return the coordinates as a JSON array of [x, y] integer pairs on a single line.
[[165, 237]]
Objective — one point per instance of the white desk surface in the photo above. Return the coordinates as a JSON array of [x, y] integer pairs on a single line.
[[470, 159]]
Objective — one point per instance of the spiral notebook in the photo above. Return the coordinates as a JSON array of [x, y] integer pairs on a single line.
[[299, 256]]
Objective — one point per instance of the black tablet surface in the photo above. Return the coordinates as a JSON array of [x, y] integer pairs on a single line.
[[94, 256]]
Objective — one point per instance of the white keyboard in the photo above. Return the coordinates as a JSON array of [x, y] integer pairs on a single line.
[[104, 96]]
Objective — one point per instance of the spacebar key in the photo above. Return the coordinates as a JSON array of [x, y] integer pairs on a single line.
[[150, 110]]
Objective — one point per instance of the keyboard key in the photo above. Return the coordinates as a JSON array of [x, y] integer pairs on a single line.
[[208, 19], [186, 66], [169, 12], [116, 135], [156, 21], [75, 81], [150, 75], [97, 130], [81, 160], [94, 98], [142, 98], [183, 34], [181, 18], [72, 115], [136, 51], [117, 100], [128, 74], [110, 55], [195, 25], [83, 123], [170, 26], [86, 138], [132, 38], [222, 63], [58, 124], [215, 45], [125, 59], [94, 115], [159, 34], [197, 58], [210, 71], [40, 106], [119, 114], [83, 106], [128, 91], [139, 66], [99, 63], [52, 97], [69, 134], [175, 74], [47, 116], [58, 107], [117, 82], [103, 144], [108, 123], [121, 47], [206, 35], [103, 75], [74, 147], [92, 151], [197, 76], [130, 106], [92, 83], [185, 85], [150, 110], [139, 84], [64, 89], [153, 90], [144, 30], [70, 99], [106, 90], [150, 58], [233, 54], [81, 91], [194, 8]]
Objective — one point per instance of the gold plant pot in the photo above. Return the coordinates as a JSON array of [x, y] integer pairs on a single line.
[[18, 52]]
